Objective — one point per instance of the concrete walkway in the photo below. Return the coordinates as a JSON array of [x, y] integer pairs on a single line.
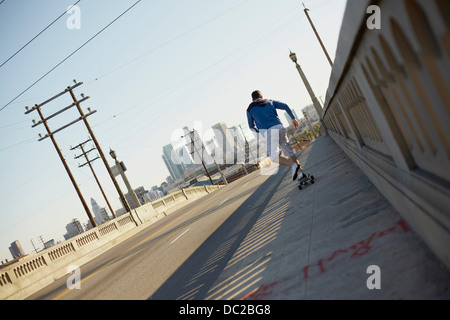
[[318, 243]]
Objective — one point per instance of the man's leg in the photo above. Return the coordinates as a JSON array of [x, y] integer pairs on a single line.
[[289, 151], [273, 147], [276, 137], [284, 161]]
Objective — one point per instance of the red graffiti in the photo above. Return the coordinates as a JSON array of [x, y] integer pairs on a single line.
[[259, 293], [363, 247], [358, 249]]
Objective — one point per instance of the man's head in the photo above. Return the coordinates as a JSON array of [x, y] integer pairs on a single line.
[[256, 95]]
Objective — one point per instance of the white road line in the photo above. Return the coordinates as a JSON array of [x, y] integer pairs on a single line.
[[180, 236], [223, 202], [245, 185]]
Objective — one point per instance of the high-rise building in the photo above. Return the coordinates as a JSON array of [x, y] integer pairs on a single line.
[[16, 250], [185, 157], [154, 194], [141, 194], [98, 216], [311, 113], [225, 141], [288, 117], [172, 162]]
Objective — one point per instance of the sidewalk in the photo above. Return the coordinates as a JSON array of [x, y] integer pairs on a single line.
[[317, 243]]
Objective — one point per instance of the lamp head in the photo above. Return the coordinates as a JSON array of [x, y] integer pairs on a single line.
[[112, 153], [293, 57]]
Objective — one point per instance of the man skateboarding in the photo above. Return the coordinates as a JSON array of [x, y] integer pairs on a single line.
[[262, 117]]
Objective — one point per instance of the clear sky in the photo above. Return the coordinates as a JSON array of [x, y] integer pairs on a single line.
[[162, 66]]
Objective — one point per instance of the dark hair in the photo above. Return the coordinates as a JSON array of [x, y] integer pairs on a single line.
[[256, 95]]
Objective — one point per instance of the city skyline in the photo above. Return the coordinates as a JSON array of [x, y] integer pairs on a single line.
[[154, 71]]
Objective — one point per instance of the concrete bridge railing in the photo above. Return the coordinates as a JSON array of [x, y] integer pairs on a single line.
[[38, 270], [388, 106]]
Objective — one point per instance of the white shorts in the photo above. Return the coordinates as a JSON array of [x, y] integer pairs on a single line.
[[276, 137]]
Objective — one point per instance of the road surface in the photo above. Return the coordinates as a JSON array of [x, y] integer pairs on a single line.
[[146, 266]]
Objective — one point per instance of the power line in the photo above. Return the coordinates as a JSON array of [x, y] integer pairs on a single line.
[[12, 124], [70, 55], [172, 40], [38, 33], [17, 144]]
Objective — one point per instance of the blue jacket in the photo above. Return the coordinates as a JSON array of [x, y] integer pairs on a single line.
[[263, 114]]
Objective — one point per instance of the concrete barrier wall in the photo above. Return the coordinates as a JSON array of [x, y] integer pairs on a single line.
[[36, 271], [388, 108]]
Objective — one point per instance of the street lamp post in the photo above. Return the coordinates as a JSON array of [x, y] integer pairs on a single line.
[[317, 35], [315, 102], [119, 168]]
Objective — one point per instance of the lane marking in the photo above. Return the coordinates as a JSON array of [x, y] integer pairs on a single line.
[[180, 236], [223, 202], [137, 245]]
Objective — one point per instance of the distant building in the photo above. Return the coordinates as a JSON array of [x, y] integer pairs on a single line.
[[172, 162], [311, 113], [225, 142], [49, 243], [73, 229], [154, 195], [98, 213], [140, 194], [288, 117], [16, 250], [120, 212], [170, 180]]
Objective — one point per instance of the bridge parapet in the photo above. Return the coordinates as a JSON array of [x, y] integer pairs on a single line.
[[388, 106], [38, 270]]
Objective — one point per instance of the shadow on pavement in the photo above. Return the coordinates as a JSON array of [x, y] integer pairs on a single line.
[[194, 278]]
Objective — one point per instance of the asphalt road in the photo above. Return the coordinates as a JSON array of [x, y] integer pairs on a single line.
[[161, 261]]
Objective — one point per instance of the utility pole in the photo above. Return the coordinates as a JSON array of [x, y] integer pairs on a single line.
[[291, 133], [97, 145], [201, 157], [245, 156], [220, 171], [51, 135], [77, 225], [42, 241], [317, 35], [32, 243], [247, 144], [88, 162]]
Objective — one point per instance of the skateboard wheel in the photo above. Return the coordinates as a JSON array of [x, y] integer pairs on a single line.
[[300, 188], [312, 181]]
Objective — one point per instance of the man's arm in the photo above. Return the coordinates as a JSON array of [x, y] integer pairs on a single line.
[[285, 107], [251, 122]]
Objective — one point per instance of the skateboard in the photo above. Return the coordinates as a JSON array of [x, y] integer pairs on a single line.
[[304, 181]]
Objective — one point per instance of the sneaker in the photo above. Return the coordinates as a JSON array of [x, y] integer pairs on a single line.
[[295, 169]]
